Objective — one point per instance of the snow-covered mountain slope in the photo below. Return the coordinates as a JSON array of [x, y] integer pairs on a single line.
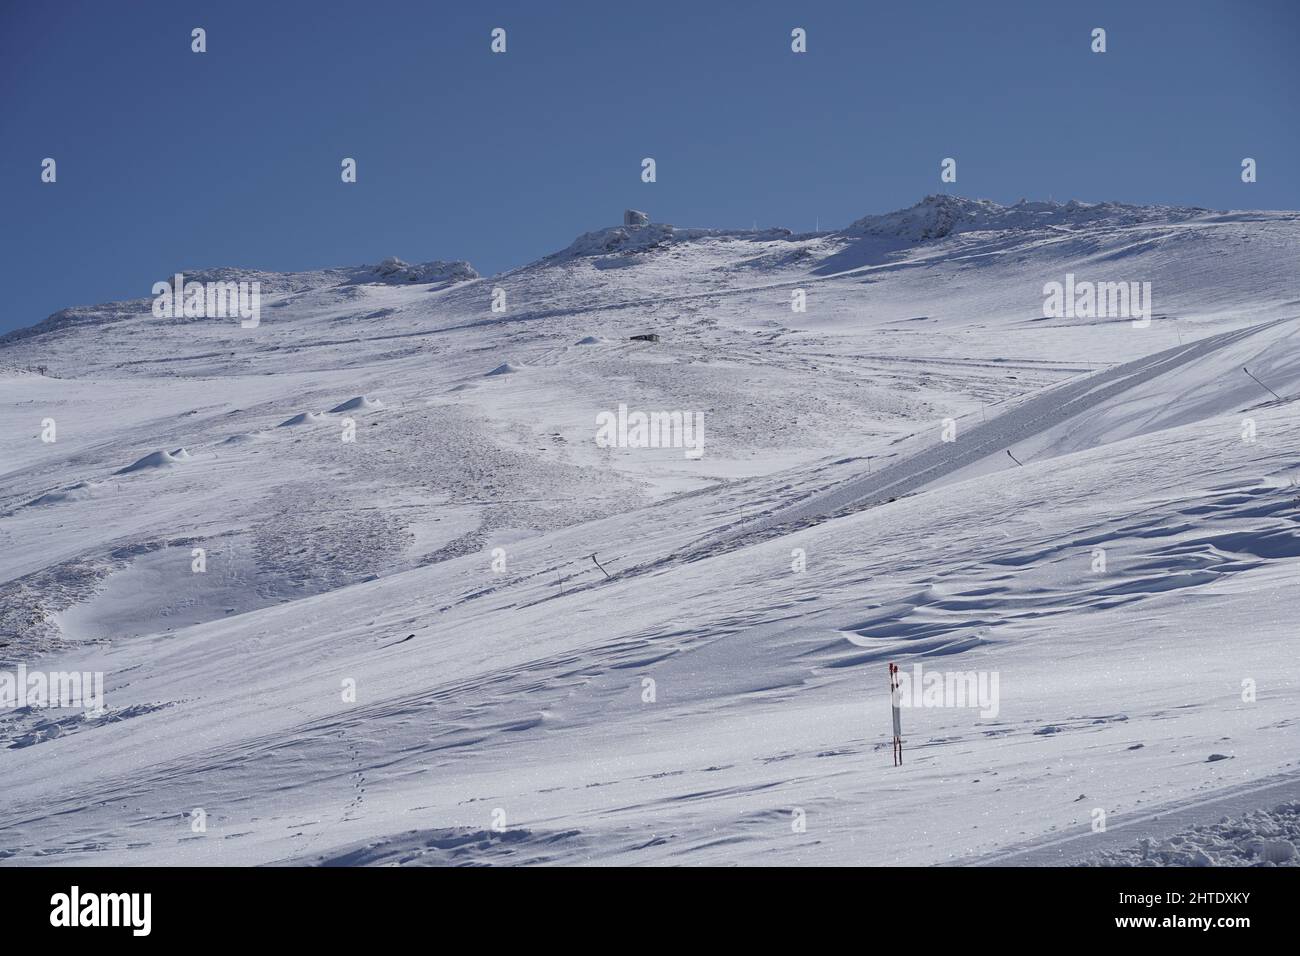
[[351, 466]]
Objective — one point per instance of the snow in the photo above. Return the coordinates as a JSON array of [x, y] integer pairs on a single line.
[[938, 216], [302, 418], [156, 459], [393, 269], [523, 689], [1258, 838], [359, 403]]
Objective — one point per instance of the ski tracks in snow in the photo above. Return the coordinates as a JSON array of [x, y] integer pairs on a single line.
[[1050, 407]]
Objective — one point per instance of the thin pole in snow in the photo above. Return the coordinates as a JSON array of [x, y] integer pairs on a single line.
[[896, 703], [1261, 384], [1015, 459], [597, 563]]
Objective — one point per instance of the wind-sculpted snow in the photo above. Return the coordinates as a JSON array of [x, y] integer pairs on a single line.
[[155, 459], [572, 650]]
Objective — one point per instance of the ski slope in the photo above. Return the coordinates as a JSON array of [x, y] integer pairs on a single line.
[[1018, 421], [702, 699]]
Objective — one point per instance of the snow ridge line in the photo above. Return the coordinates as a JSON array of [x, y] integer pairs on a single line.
[[1052, 407]]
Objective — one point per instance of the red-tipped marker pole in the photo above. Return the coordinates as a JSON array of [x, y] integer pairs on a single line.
[[896, 703]]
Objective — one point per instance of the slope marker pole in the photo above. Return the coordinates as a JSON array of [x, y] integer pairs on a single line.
[[597, 564], [1261, 384], [1015, 459], [896, 704]]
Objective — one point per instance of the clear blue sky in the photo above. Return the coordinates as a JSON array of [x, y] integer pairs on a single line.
[[172, 160]]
